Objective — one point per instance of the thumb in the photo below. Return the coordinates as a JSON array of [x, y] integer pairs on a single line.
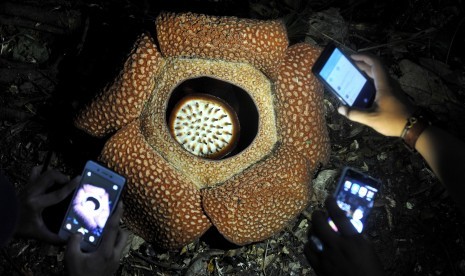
[[355, 115], [35, 173], [74, 245]]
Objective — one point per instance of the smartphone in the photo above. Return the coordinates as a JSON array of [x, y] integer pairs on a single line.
[[355, 195], [342, 77], [93, 202]]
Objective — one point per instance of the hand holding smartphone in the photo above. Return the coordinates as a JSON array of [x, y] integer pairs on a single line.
[[355, 195], [340, 75], [93, 202]]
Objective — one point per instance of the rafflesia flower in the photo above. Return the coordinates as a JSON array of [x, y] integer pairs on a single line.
[[222, 124]]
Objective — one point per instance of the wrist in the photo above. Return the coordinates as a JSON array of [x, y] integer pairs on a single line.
[[401, 110], [416, 124]]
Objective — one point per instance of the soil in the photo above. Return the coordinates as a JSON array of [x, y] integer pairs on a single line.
[[56, 55]]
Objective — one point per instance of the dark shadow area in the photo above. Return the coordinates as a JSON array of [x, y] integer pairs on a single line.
[[216, 241], [83, 73]]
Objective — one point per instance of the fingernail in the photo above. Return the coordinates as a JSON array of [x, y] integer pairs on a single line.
[[341, 110]]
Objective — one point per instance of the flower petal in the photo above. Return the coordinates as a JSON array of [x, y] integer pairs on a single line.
[[261, 201], [299, 105], [260, 43], [122, 101], [161, 205]]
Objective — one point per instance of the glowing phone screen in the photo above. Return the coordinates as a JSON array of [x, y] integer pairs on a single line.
[[356, 199], [343, 77], [91, 206]]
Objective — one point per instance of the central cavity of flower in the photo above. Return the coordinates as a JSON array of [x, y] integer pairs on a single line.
[[205, 125]]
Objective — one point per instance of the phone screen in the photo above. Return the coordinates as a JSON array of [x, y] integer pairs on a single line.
[[343, 77], [92, 204], [355, 195]]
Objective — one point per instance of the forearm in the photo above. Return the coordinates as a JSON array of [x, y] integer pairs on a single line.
[[445, 154]]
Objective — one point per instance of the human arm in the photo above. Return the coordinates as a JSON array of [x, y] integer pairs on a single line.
[[103, 261], [444, 153], [391, 107], [344, 253], [36, 197]]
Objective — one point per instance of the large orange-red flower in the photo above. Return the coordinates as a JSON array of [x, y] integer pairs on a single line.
[[175, 190]]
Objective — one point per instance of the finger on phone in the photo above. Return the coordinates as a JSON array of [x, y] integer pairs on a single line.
[[111, 232], [313, 258], [120, 243], [35, 172], [46, 163], [322, 230], [339, 218], [60, 194], [116, 216], [47, 180], [74, 245], [365, 68], [363, 58], [353, 114], [375, 66]]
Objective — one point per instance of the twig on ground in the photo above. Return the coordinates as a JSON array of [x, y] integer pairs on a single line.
[[13, 114], [26, 23], [453, 39], [264, 257], [39, 18], [420, 34], [159, 264], [10, 261]]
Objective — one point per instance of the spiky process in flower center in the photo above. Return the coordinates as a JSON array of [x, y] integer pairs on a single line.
[[204, 125]]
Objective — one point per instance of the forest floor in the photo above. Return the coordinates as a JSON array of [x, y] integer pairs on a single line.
[[55, 55]]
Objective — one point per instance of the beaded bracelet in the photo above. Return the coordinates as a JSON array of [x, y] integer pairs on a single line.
[[415, 125]]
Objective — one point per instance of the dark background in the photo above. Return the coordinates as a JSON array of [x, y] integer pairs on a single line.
[[56, 55]]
